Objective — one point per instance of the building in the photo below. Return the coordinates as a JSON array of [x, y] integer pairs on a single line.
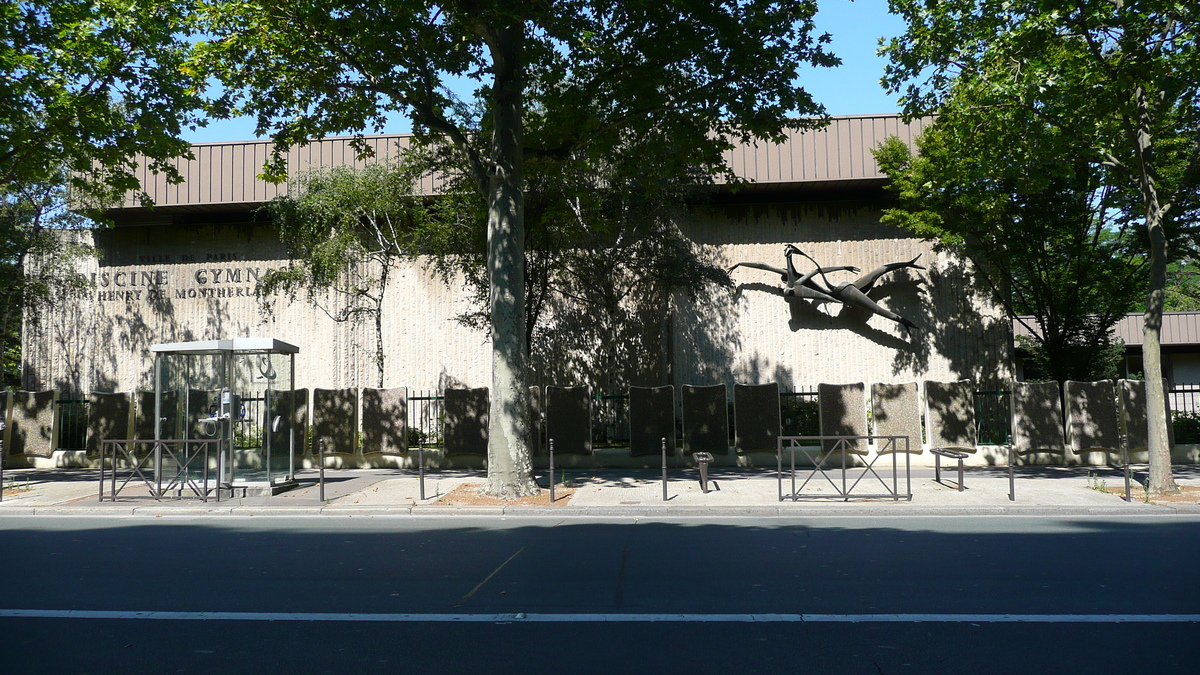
[[186, 270]]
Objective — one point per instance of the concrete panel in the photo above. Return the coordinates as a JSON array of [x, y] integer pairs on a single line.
[[143, 418], [896, 411], [31, 427], [335, 420], [843, 412], [651, 419], [108, 418], [569, 420], [466, 430], [1037, 418], [756, 417], [705, 419], [1135, 415], [1092, 421], [293, 410], [950, 415], [385, 420]]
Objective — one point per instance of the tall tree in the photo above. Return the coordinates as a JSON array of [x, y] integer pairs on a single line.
[[605, 258], [1123, 74], [1046, 237], [554, 79]]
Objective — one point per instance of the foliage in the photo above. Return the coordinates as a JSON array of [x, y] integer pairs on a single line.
[[1102, 360], [1044, 233], [1117, 79], [578, 80], [801, 416], [87, 85], [344, 229], [1183, 287], [89, 89], [40, 246], [1186, 424], [603, 253]]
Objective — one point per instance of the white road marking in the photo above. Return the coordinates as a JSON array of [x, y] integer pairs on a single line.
[[595, 618]]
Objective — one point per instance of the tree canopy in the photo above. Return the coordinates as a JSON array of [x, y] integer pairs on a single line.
[[89, 84], [1044, 233], [568, 79], [1119, 78], [88, 87]]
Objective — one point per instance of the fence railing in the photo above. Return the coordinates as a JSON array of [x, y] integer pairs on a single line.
[[72, 423], [798, 416]]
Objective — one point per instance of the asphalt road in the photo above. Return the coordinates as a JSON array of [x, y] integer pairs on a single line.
[[849, 595]]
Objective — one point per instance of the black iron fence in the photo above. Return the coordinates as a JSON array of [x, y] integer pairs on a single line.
[[72, 423], [798, 414]]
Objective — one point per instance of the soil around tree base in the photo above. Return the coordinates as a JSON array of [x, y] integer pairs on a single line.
[[1187, 494], [468, 494]]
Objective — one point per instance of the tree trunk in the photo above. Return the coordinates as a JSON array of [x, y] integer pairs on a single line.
[[1161, 480], [510, 470]]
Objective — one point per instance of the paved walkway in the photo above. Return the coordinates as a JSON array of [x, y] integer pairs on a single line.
[[632, 493]]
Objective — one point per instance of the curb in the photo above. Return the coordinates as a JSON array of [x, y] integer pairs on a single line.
[[840, 510]]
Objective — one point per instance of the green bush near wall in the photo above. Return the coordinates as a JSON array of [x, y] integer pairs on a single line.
[[1187, 427]]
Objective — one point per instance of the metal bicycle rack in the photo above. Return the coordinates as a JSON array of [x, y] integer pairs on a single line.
[[813, 449], [174, 465]]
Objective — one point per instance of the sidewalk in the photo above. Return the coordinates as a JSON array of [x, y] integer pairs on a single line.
[[611, 493]]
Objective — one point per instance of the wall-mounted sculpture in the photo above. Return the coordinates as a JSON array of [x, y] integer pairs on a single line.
[[851, 293]]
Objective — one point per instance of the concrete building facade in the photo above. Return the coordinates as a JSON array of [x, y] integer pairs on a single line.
[[187, 269]]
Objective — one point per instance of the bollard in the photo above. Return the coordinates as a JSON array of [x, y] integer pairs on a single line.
[[551, 470], [421, 466], [2, 427], [664, 454], [321, 459]]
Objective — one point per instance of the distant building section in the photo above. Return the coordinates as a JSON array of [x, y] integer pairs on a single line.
[[1180, 339]]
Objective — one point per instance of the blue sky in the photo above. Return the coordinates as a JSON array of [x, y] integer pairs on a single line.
[[851, 89]]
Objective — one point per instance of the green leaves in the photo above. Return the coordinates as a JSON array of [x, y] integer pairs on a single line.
[[89, 85], [1065, 156]]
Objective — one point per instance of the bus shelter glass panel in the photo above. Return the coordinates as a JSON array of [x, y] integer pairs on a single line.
[[243, 400]]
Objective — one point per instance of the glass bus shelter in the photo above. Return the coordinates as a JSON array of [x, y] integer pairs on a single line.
[[240, 392]]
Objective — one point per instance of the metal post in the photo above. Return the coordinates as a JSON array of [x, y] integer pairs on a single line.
[[1012, 486], [321, 459], [551, 470], [101, 474], [204, 469], [157, 467], [664, 467], [779, 466], [845, 447], [421, 466], [1125, 461], [792, 448], [2, 428]]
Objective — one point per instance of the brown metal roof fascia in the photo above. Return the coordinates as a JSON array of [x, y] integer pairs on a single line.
[[222, 175], [1178, 328]]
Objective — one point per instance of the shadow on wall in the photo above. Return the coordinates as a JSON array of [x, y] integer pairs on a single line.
[[975, 345], [385, 419], [32, 423], [335, 419]]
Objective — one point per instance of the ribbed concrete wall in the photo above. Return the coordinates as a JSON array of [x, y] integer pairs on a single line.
[[171, 284]]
